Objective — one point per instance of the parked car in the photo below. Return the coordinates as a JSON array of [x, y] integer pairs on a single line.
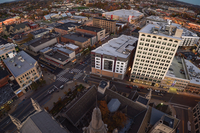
[[135, 86], [160, 94], [171, 69], [157, 90], [62, 86], [128, 86], [138, 90]]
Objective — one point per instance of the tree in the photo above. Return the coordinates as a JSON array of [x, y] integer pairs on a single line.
[[104, 109], [59, 99], [119, 119], [69, 90], [7, 107], [65, 93]]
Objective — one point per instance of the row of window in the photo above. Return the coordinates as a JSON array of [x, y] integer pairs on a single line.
[[27, 75], [160, 38], [157, 63], [154, 54], [148, 79], [144, 66]]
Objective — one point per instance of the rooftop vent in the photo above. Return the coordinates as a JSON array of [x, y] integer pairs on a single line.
[[22, 60], [19, 66], [31, 64]]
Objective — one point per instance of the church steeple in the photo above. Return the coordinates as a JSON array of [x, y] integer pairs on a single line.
[[96, 125], [36, 105], [16, 121]]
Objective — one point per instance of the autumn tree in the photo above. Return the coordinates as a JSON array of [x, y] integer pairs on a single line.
[[104, 109], [119, 119]]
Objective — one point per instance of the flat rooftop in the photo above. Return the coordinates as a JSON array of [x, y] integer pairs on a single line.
[[65, 50], [125, 13], [148, 29], [36, 32], [3, 73], [66, 21], [155, 18], [42, 40], [6, 47], [75, 37], [78, 17], [105, 19], [58, 56], [90, 28], [67, 26], [176, 66], [84, 35], [19, 64], [193, 72], [54, 25], [118, 47], [69, 45]]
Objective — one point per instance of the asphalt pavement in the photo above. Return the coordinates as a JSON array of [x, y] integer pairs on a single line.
[[24, 109]]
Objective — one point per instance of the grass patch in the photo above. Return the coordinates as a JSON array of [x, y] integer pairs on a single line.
[[82, 7]]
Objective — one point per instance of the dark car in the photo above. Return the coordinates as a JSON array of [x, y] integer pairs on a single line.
[[128, 86]]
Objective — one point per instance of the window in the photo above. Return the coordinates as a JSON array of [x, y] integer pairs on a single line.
[[160, 38], [154, 36], [150, 49], [151, 45], [176, 41], [148, 36], [162, 47], [146, 44], [165, 39], [153, 41], [158, 42], [147, 40], [164, 43], [145, 48], [159, 55], [157, 46], [143, 35], [169, 44], [170, 40], [174, 45]]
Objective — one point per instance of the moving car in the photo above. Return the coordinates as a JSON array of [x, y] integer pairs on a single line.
[[62, 86], [128, 86], [157, 90]]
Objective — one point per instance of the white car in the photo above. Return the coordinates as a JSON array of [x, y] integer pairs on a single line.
[[61, 86], [157, 90]]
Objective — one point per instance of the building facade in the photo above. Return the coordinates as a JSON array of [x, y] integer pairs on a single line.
[[155, 51], [98, 32], [196, 117], [112, 58], [24, 69], [109, 25]]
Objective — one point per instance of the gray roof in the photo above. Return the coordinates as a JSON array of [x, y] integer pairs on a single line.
[[41, 122], [113, 105], [57, 55], [83, 105], [36, 32], [65, 50], [142, 100], [155, 116], [90, 28], [43, 40], [75, 37], [16, 66], [66, 26]]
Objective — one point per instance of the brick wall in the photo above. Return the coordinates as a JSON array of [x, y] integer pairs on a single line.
[[86, 31], [62, 32]]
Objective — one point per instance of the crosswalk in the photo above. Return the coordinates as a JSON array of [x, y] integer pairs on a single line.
[[62, 79], [78, 76], [63, 72]]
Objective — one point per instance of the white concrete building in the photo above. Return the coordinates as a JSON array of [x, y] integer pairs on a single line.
[[155, 51], [188, 37], [112, 58], [124, 15]]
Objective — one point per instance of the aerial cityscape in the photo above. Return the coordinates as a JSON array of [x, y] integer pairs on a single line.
[[99, 66]]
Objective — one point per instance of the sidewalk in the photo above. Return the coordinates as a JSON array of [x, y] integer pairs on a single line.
[[56, 95], [124, 81]]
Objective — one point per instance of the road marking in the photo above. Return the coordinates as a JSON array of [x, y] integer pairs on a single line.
[[27, 106]]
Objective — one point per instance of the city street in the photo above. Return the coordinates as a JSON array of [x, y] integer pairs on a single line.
[[42, 96]]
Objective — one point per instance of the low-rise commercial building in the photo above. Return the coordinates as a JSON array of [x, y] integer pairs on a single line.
[[80, 19], [66, 27], [78, 40], [98, 32], [112, 58], [42, 42], [60, 55], [109, 25], [24, 69], [39, 33], [175, 78], [130, 16], [6, 50]]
